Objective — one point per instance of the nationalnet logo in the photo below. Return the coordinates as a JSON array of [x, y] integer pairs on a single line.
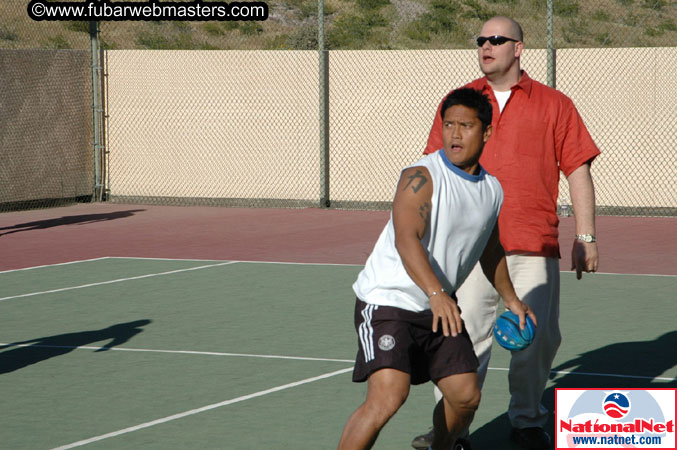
[[615, 418]]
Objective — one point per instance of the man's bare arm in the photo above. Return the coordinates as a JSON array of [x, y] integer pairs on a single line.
[[411, 218]]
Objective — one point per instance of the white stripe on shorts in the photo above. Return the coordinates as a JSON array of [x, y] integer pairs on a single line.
[[366, 332]]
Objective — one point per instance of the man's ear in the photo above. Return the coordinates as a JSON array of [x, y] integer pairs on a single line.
[[519, 48], [487, 133]]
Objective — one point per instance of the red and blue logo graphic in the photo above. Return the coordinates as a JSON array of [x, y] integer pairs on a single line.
[[616, 405], [616, 418]]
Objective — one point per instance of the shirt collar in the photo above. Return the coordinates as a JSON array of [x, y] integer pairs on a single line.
[[461, 173], [525, 83]]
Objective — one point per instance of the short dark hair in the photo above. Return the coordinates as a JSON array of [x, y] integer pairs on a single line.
[[470, 98]]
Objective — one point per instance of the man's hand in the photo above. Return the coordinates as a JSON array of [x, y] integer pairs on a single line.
[[444, 308], [584, 257], [521, 309]]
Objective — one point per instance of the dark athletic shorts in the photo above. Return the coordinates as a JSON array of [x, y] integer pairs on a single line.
[[395, 338]]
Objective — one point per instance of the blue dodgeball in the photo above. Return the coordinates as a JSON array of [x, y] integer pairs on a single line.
[[508, 334]]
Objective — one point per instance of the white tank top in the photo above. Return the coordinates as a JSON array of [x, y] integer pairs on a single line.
[[463, 215]]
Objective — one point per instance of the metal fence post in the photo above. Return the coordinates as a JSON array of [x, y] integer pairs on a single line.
[[97, 109], [325, 201], [552, 60]]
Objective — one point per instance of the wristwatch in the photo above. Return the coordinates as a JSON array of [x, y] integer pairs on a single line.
[[586, 238]]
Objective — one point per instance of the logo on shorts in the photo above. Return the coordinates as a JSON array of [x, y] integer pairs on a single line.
[[386, 342]]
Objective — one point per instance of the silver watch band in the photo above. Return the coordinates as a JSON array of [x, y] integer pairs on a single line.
[[586, 237]]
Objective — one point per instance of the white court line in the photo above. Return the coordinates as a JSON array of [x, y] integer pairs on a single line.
[[592, 374], [305, 358], [200, 410], [240, 261], [180, 352], [286, 263], [54, 265], [588, 274], [119, 280], [362, 265], [146, 258]]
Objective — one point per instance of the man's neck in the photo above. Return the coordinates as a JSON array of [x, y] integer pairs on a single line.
[[505, 81]]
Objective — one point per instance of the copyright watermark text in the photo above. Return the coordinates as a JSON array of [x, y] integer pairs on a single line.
[[94, 10]]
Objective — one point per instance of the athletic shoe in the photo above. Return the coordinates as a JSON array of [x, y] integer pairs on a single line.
[[462, 444], [424, 441]]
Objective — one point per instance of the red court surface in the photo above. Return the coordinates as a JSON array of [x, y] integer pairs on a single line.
[[85, 231]]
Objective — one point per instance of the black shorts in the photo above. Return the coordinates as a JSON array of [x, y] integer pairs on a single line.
[[395, 338]]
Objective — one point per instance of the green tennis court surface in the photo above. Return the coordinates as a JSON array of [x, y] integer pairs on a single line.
[[174, 354]]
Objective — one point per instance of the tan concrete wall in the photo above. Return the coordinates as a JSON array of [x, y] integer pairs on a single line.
[[244, 124]]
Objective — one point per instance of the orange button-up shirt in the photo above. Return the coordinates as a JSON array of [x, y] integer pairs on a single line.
[[538, 134]]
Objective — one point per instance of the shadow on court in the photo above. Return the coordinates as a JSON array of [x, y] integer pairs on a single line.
[[36, 350], [68, 220], [620, 365]]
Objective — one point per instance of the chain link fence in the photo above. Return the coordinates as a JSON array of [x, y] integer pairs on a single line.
[[45, 111], [233, 113], [201, 127]]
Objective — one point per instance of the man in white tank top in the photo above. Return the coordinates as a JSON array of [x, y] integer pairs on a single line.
[[443, 221]]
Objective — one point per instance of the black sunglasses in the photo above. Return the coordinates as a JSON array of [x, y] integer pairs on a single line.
[[494, 40]]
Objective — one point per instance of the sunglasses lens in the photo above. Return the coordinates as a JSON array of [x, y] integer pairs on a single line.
[[493, 40]]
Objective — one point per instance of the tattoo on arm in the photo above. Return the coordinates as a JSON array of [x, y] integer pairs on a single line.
[[420, 180], [424, 212]]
